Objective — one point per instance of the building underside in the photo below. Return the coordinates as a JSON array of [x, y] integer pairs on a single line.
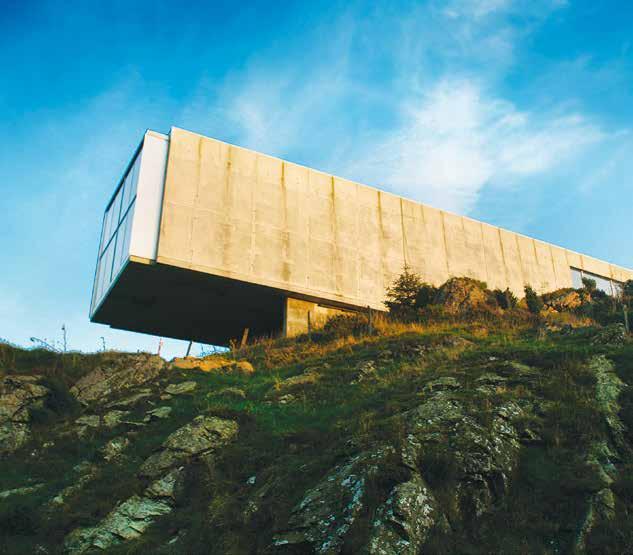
[[168, 301]]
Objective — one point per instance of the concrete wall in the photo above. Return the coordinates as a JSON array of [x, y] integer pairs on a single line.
[[236, 213], [296, 317]]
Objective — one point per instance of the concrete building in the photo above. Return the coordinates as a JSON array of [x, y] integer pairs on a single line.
[[203, 239]]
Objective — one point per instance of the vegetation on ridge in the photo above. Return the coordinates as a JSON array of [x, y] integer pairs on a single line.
[[515, 427]]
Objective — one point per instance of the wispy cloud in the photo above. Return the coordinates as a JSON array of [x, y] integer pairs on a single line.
[[443, 132], [456, 139]]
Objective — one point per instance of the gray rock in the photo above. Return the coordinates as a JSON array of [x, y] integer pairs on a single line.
[[365, 371], [600, 505], [85, 472], [20, 491], [19, 394], [327, 511], [403, 522], [129, 520], [13, 436], [168, 486], [157, 414], [181, 388], [113, 418], [202, 436], [614, 334], [443, 383], [131, 400], [114, 448], [483, 459], [89, 421], [491, 379], [119, 373], [93, 421], [287, 399], [126, 522]]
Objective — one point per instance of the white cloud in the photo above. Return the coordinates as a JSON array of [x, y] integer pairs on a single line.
[[474, 8], [456, 139]]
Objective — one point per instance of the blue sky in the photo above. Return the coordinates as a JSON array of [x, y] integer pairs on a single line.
[[519, 113]]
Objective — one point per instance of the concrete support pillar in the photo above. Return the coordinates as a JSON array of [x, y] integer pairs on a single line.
[[296, 316]]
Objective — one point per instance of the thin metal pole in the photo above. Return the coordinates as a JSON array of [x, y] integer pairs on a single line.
[[626, 318], [189, 348]]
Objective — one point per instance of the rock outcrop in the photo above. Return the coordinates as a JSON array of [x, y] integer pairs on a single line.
[[19, 395], [202, 437], [461, 295], [213, 363], [119, 374], [439, 434]]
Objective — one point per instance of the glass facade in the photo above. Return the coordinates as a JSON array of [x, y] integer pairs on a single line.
[[609, 286], [116, 232]]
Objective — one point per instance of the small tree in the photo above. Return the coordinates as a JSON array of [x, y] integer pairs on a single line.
[[534, 302], [408, 294]]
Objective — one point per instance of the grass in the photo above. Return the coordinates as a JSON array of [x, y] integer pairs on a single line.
[[289, 448]]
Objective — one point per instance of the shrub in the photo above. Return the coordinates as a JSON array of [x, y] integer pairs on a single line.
[[533, 301], [505, 299], [343, 325], [60, 400], [426, 296], [58, 403]]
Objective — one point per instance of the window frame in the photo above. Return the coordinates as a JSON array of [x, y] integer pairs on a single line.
[[615, 286], [109, 235]]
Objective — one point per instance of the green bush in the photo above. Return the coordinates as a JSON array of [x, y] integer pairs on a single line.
[[60, 400], [505, 299], [59, 403], [343, 325], [533, 301]]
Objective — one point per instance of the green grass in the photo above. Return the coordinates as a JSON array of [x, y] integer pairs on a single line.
[[289, 448]]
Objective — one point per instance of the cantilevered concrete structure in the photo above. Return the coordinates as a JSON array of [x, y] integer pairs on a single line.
[[203, 239]]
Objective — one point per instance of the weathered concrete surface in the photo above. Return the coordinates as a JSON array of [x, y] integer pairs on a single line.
[[237, 213]]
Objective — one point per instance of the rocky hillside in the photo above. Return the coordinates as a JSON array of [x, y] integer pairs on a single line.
[[449, 437]]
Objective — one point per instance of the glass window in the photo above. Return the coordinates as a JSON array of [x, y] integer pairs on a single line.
[[122, 243], [618, 289], [130, 185], [107, 267], [95, 288], [116, 206], [107, 228], [603, 284], [576, 278], [609, 286], [116, 232], [126, 234]]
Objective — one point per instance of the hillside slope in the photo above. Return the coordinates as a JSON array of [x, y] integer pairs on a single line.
[[444, 438]]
